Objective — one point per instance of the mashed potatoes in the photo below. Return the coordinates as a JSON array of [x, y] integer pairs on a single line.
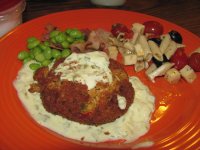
[[130, 126]]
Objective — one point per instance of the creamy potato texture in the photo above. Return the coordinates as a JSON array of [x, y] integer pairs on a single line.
[[132, 125]]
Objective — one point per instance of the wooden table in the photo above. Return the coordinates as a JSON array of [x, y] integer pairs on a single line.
[[185, 13]]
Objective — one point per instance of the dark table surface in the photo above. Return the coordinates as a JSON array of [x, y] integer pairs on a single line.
[[185, 13]]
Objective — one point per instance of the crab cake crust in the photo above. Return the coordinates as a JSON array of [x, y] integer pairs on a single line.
[[73, 100]]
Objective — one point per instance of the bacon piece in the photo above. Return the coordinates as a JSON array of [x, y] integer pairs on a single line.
[[78, 47]]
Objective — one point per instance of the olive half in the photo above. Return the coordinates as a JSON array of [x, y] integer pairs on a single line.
[[176, 36]]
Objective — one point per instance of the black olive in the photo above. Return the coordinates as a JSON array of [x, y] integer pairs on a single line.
[[175, 36], [156, 62], [159, 63], [165, 59], [156, 40]]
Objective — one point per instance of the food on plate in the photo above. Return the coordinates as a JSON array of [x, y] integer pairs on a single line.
[[179, 59], [160, 71], [156, 40], [153, 28], [121, 30], [84, 88], [73, 83], [188, 74], [158, 63], [85, 94], [176, 36], [54, 45], [148, 46], [194, 61], [141, 46], [172, 76], [126, 101], [157, 54]]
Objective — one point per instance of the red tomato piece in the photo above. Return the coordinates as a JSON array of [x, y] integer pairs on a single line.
[[153, 28], [194, 62], [179, 58], [121, 28]]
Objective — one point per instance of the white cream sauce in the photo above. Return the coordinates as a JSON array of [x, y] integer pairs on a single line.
[[132, 125], [86, 68]]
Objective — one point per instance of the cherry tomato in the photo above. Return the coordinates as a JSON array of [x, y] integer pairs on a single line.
[[180, 59], [153, 28], [121, 28], [128, 35], [194, 62]]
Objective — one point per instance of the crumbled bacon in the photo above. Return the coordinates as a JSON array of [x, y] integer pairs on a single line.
[[48, 29], [85, 32], [96, 40], [78, 47]]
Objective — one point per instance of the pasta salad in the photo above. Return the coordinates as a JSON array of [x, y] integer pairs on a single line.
[[147, 48]]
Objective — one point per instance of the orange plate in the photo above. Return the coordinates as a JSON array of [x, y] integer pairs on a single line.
[[175, 123]]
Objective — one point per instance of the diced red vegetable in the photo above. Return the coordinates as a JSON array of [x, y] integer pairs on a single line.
[[179, 58], [121, 28], [153, 28], [194, 62]]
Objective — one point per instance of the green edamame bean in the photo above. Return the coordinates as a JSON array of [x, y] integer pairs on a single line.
[[31, 39], [70, 39], [26, 60], [39, 57], [81, 38], [43, 47], [33, 44], [60, 38], [34, 66], [31, 56], [53, 40], [54, 33], [36, 50], [68, 31], [46, 43], [46, 62], [65, 53], [65, 44], [76, 33], [22, 55], [47, 53], [56, 53]]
